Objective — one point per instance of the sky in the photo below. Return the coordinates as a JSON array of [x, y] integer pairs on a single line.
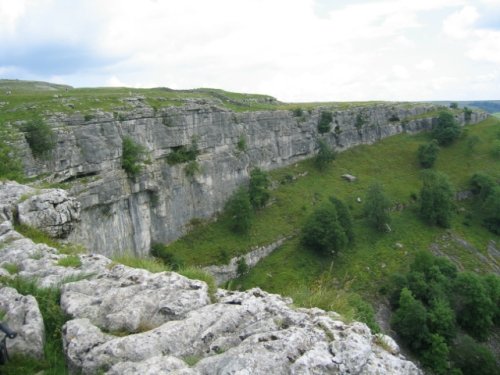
[[294, 50]]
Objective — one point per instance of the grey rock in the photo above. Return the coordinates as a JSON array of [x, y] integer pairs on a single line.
[[160, 365], [244, 332], [158, 205], [53, 212], [41, 262], [131, 300], [22, 316]]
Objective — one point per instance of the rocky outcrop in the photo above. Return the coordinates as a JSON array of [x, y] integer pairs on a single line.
[[128, 321], [244, 332], [131, 300], [52, 211], [24, 318], [158, 205]]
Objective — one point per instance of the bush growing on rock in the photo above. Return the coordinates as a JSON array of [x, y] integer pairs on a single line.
[[325, 122], [40, 137], [132, 155]]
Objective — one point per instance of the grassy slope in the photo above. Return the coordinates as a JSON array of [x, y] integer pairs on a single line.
[[293, 271]]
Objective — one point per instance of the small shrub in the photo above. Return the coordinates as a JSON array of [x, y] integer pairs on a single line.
[[454, 105], [40, 137], [132, 156], [471, 143], [495, 149], [297, 112], [467, 114], [87, 117], [324, 156], [436, 199], [242, 144], [242, 267], [376, 207], [70, 261], [394, 118], [428, 153], [183, 154], [192, 168], [238, 211], [360, 121], [325, 122], [258, 189]]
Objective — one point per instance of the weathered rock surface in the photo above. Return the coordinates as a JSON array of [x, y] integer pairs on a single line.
[[22, 316], [41, 262], [158, 205], [53, 212], [172, 327], [129, 299], [50, 210], [244, 332]]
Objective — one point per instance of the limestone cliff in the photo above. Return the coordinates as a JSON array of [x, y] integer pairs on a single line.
[[119, 213]]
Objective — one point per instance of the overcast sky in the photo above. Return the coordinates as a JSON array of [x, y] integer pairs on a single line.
[[295, 50]]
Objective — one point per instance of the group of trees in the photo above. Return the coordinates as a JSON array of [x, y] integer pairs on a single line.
[[435, 306], [328, 229], [240, 208]]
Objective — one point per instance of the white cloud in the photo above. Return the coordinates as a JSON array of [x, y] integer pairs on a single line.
[[426, 65], [381, 49], [485, 46], [10, 12], [460, 24]]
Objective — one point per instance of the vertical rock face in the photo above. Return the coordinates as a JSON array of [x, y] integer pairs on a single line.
[[119, 213]]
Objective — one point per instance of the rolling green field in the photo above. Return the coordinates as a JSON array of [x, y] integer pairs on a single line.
[[333, 283]]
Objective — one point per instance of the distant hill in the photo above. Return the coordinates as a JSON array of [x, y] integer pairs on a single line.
[[490, 106]]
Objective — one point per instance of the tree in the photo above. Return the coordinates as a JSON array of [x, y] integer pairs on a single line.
[[324, 156], [482, 185], [428, 153], [473, 306], [410, 321], [258, 188], [454, 105], [441, 319], [323, 232], [132, 155], [239, 212], [376, 208], [436, 355], [436, 199], [473, 358], [491, 210], [345, 218], [447, 129]]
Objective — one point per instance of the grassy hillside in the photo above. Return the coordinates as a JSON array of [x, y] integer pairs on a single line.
[[21, 100], [365, 268]]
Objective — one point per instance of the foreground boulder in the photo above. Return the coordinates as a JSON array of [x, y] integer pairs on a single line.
[[22, 316], [250, 332]]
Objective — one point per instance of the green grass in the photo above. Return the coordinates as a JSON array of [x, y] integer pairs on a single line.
[[497, 114], [366, 267], [37, 236], [70, 261]]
